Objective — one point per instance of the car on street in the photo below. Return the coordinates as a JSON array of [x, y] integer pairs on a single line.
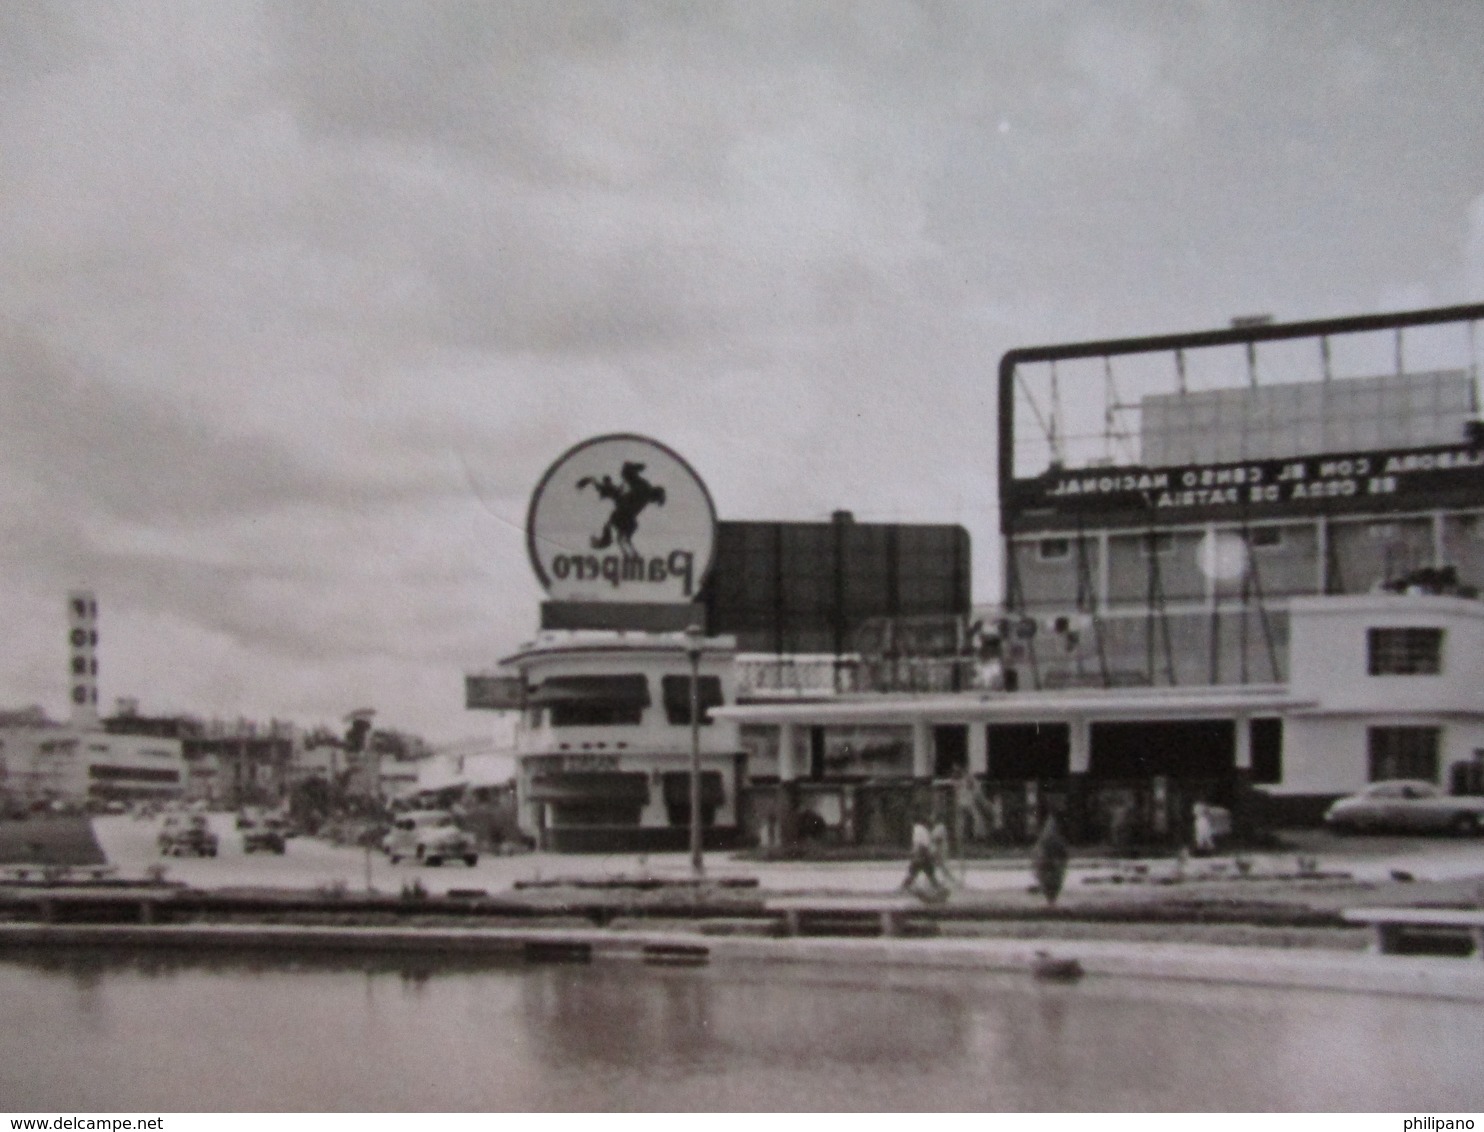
[[263, 835], [1406, 805], [187, 835], [429, 837]]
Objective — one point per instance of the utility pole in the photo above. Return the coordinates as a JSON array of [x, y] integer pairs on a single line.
[[694, 642]]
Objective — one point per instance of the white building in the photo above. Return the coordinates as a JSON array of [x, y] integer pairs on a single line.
[[603, 749], [49, 762], [1384, 686]]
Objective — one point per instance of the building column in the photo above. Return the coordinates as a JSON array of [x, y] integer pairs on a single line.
[[1080, 755], [1321, 549], [788, 787], [1244, 743], [1078, 818], [1103, 572], [788, 767], [922, 749], [978, 748]]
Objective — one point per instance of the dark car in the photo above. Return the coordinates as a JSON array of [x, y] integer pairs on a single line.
[[1406, 806], [187, 835], [265, 835]]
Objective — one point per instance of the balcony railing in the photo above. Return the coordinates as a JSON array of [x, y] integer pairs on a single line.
[[769, 677]]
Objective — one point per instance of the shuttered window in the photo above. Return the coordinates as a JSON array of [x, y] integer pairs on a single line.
[[676, 692]]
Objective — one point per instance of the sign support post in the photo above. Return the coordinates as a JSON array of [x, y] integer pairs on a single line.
[[693, 645]]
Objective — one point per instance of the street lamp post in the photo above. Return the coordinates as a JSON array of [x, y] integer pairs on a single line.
[[693, 642]]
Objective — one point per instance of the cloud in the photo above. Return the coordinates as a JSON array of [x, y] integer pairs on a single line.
[[301, 298], [1474, 248]]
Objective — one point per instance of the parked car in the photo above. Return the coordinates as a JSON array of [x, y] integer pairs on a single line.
[[429, 836], [262, 835], [187, 835], [1406, 806]]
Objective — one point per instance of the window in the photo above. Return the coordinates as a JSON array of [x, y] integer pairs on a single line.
[[131, 774], [1403, 752], [1156, 542], [676, 693], [1053, 549], [676, 787], [1404, 652], [1265, 538], [1267, 751], [593, 701]]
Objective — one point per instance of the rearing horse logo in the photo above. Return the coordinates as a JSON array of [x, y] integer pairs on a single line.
[[630, 496]]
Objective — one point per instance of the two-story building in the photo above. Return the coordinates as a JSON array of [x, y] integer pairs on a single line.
[[604, 745]]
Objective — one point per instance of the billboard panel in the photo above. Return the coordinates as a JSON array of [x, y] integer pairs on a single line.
[[811, 587]]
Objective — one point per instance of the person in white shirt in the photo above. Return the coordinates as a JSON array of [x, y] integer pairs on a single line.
[[921, 862]]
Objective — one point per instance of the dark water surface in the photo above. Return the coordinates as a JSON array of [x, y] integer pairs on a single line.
[[84, 1032]]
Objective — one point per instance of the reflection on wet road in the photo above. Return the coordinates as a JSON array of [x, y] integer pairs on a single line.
[[153, 1031]]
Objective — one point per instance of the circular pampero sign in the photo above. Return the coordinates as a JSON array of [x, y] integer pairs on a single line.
[[621, 519]]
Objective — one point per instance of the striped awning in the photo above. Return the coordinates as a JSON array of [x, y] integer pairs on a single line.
[[620, 691], [590, 786]]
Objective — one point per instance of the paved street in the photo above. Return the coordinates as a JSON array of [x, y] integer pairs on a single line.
[[310, 863]]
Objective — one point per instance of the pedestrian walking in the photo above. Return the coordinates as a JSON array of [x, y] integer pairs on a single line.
[[938, 838], [969, 803], [1049, 860], [1204, 829], [921, 860]]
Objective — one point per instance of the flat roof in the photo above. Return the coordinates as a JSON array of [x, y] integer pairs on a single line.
[[976, 707]]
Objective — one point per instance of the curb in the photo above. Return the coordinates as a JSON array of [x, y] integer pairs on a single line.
[[1438, 978]]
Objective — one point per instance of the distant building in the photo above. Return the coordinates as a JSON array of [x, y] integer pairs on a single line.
[[48, 762], [228, 763]]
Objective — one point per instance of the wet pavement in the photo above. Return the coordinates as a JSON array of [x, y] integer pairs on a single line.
[[310, 863]]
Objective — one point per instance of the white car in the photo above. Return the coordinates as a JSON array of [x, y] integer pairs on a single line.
[[1406, 806], [431, 837]]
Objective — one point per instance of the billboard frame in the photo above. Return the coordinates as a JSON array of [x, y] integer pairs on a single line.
[[1233, 336]]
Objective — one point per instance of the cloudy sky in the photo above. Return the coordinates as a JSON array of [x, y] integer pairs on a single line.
[[299, 300]]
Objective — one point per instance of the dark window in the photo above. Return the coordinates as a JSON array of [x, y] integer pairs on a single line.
[[79, 638], [676, 788], [950, 750], [1403, 752], [1265, 536], [594, 813], [79, 666], [675, 690], [79, 695], [595, 713], [1054, 549], [1404, 652], [1186, 748], [132, 774], [593, 701], [1267, 751], [1029, 750]]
